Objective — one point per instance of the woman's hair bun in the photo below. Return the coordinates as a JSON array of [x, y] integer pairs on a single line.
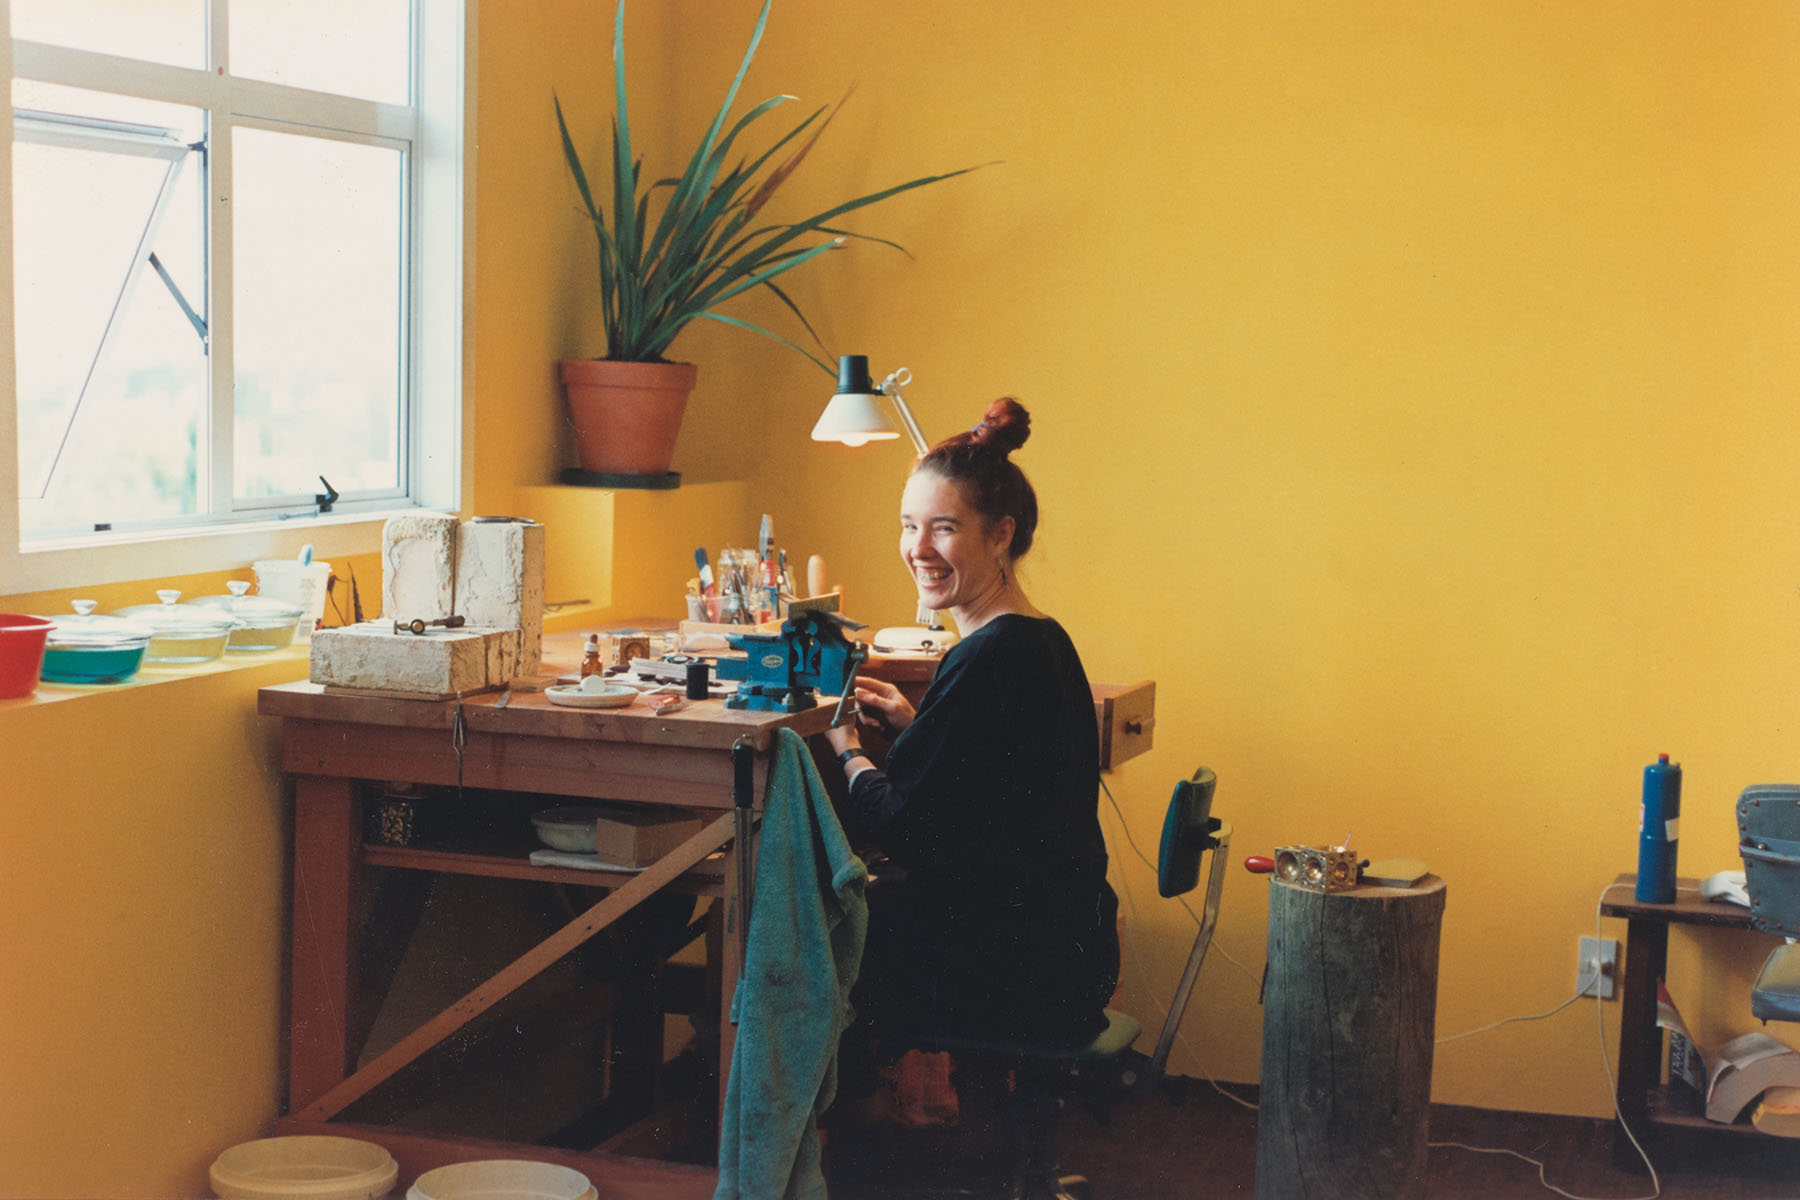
[[1004, 427], [979, 461]]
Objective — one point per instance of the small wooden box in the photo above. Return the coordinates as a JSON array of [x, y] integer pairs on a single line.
[[1127, 717], [636, 836]]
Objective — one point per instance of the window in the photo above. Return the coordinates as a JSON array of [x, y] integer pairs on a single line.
[[235, 270]]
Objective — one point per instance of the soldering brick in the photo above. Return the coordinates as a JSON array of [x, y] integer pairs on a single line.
[[500, 581], [441, 662], [418, 566]]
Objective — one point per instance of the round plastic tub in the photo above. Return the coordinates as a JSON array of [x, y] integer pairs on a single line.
[[502, 1179], [21, 653], [304, 1168]]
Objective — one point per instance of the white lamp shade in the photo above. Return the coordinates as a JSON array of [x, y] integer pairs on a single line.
[[853, 418]]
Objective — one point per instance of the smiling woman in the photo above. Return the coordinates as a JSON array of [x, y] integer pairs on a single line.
[[967, 513], [993, 914]]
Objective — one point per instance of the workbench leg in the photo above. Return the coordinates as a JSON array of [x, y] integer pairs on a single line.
[[327, 830], [731, 965], [1640, 1041]]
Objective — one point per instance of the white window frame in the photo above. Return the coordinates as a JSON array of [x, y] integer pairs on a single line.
[[436, 252]]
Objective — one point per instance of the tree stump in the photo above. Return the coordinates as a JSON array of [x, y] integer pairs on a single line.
[[1349, 1013]]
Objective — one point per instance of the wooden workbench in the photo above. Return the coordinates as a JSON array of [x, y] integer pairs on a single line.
[[341, 747], [335, 745]]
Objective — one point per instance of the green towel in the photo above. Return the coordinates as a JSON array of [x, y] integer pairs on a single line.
[[808, 920]]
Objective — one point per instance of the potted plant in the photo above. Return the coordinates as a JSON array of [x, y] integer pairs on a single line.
[[672, 251]]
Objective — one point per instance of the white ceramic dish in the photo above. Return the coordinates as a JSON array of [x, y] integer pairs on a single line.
[[570, 829], [609, 695]]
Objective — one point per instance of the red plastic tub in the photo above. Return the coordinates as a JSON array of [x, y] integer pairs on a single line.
[[21, 653]]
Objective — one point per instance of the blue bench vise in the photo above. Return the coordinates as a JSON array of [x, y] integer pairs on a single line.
[[783, 671]]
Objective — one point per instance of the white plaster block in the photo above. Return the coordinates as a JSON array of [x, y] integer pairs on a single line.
[[418, 566], [438, 663], [500, 582]]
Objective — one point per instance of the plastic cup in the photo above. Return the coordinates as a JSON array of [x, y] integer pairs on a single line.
[[294, 582]]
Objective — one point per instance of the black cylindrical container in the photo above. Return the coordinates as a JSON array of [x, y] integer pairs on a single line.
[[696, 681], [1658, 823]]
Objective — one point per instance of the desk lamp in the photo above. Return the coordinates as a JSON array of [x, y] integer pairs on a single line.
[[854, 418]]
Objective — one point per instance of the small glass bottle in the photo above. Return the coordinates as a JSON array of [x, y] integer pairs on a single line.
[[590, 657]]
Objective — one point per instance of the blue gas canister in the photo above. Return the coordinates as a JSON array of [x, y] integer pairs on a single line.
[[1659, 822]]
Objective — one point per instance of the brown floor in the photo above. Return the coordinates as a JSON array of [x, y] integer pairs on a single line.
[[1205, 1146]]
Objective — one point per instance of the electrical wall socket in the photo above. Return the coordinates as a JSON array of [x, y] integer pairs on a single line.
[[1602, 956]]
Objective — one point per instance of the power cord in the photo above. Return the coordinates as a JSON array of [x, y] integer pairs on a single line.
[[1582, 985]]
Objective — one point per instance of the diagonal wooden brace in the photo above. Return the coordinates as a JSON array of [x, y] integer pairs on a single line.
[[522, 969]]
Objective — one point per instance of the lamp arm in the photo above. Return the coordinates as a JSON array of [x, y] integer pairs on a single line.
[[890, 387]]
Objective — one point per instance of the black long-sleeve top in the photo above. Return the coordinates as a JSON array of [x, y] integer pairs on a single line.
[[989, 800]]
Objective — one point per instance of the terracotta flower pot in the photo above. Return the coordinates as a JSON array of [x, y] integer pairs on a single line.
[[626, 415]]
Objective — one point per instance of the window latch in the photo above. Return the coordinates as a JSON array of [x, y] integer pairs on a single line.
[[324, 500]]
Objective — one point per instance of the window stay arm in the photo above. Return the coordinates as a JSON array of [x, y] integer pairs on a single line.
[[143, 254]]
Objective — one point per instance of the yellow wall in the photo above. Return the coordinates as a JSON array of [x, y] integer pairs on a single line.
[[143, 906], [1412, 386]]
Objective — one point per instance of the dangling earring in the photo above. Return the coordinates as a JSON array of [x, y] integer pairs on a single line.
[[1001, 563]]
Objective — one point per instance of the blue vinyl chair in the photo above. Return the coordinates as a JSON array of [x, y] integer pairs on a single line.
[[1768, 816]]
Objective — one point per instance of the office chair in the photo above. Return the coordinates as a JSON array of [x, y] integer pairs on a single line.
[[1768, 817], [1045, 1076]]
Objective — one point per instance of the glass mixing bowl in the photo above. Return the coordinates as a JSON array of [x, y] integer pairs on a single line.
[[181, 633], [262, 623], [90, 648]]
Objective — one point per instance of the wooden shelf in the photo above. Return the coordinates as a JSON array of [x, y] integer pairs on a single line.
[[576, 477], [1668, 1119], [1675, 1107], [707, 879], [1688, 907]]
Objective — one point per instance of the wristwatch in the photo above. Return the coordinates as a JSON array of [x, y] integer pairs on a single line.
[[853, 752]]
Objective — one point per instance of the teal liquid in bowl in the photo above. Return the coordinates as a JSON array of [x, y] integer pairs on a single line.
[[104, 664]]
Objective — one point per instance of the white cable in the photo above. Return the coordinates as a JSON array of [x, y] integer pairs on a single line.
[[1581, 990], [1524, 1158]]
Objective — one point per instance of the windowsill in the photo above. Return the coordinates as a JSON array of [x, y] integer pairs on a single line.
[[126, 558], [295, 657]]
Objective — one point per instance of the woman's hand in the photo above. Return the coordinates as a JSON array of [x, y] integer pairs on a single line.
[[842, 737], [881, 706]]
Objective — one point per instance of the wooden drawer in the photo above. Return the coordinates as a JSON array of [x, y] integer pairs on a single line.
[[1127, 717]]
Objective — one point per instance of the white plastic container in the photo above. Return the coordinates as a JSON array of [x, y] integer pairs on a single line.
[[304, 1168], [293, 582], [502, 1179]]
